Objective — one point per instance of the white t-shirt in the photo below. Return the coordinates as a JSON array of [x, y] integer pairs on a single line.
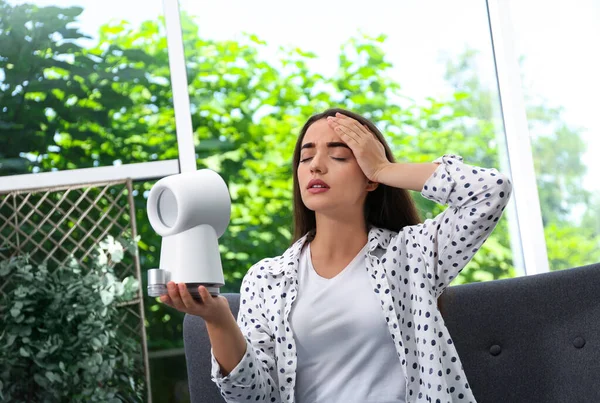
[[344, 349]]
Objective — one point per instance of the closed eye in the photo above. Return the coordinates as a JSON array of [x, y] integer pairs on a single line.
[[310, 158]]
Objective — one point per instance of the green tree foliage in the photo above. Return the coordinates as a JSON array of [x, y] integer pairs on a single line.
[[68, 106], [113, 102], [558, 147]]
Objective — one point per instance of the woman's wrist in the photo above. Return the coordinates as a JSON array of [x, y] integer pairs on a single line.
[[411, 176], [221, 323]]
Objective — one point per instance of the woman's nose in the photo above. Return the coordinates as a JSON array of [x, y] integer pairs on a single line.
[[317, 164]]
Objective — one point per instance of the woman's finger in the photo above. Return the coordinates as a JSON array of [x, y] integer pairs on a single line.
[[186, 297], [165, 299], [360, 132], [353, 124], [175, 297], [341, 130], [349, 123], [350, 128], [205, 295], [350, 131]]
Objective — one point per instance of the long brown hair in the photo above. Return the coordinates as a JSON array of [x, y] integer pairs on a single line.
[[385, 207]]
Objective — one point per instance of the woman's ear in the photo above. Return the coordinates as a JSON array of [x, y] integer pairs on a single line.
[[371, 186]]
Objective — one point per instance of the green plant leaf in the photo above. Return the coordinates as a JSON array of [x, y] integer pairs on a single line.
[[4, 269], [107, 297], [52, 377], [40, 380]]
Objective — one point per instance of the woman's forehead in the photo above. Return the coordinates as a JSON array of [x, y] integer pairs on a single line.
[[320, 132]]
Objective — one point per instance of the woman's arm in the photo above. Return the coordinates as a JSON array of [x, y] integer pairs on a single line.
[[476, 198], [410, 176], [251, 376], [228, 344]]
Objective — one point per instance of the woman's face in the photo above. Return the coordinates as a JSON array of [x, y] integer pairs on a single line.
[[324, 156]]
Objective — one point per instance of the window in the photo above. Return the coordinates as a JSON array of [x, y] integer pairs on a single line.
[[426, 78], [559, 58], [83, 86]]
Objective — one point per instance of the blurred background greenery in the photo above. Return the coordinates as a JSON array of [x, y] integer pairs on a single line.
[[64, 105]]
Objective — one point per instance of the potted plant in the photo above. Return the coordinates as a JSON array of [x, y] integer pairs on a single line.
[[60, 338]]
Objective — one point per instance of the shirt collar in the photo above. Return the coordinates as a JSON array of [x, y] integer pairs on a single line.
[[288, 262]]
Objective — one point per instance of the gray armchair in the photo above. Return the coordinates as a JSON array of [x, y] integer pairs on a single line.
[[527, 339]]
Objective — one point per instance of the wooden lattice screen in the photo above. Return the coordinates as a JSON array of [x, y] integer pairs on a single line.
[[51, 224]]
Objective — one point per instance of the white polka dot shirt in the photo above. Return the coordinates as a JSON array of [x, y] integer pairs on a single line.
[[408, 270]]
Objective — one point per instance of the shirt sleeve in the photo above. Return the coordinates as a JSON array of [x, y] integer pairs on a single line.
[[476, 198], [255, 376]]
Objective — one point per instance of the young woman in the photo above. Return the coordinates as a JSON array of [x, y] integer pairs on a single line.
[[349, 312]]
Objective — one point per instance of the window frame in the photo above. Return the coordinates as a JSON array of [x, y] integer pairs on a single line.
[[531, 258]]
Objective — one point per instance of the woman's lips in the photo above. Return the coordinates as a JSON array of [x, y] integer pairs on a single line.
[[318, 190]]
